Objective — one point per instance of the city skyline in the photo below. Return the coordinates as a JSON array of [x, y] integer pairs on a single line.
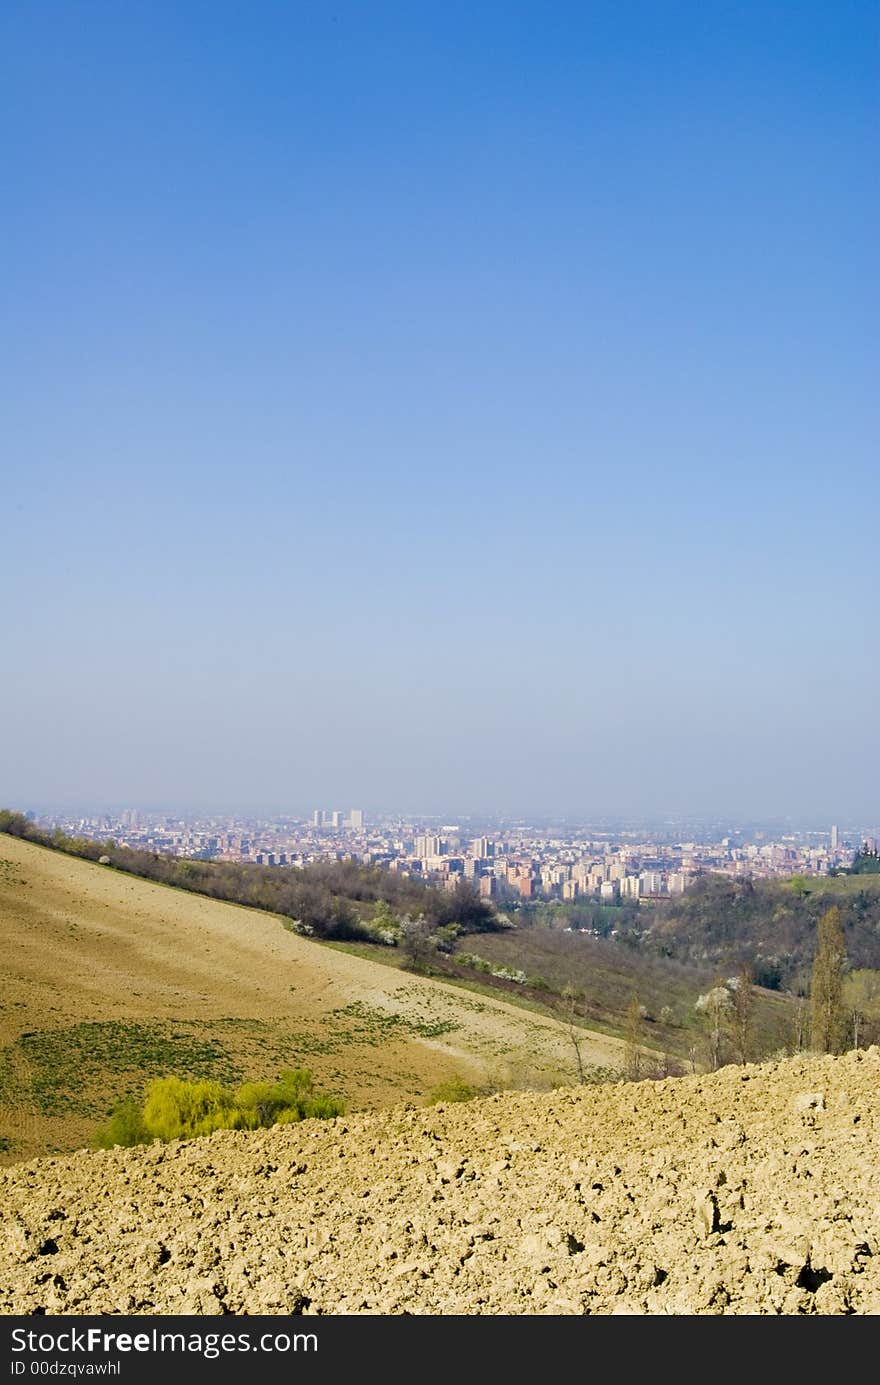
[[508, 863], [330, 821], [431, 406]]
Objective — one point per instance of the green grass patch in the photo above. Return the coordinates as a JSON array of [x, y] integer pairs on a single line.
[[66, 1067], [831, 886], [373, 952], [365, 1025]]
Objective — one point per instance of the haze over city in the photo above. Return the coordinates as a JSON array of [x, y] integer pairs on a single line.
[[443, 410]]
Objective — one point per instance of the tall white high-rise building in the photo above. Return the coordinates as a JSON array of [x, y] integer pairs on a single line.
[[356, 818], [835, 838], [318, 817], [430, 846]]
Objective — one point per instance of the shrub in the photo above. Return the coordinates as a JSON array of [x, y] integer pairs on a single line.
[[125, 1127], [453, 1089], [471, 959], [174, 1109]]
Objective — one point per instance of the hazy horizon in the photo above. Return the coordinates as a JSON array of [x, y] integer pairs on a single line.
[[469, 821], [441, 407]]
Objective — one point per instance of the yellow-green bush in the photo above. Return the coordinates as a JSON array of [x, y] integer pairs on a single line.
[[174, 1109], [453, 1089]]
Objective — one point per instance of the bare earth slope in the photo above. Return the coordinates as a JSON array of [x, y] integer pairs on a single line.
[[754, 1190], [107, 980]]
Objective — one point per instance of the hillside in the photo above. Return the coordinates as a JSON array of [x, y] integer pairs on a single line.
[[606, 974], [751, 1191], [108, 980], [770, 924], [327, 899]]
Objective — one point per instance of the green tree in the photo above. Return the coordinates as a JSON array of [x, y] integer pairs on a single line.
[[416, 943], [865, 862], [383, 924], [826, 985]]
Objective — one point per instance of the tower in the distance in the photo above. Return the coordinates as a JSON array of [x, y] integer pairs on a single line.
[[835, 838]]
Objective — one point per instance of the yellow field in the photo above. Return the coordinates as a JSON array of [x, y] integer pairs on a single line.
[[107, 981]]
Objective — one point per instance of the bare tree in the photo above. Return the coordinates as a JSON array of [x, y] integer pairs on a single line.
[[742, 1011], [632, 1059], [800, 1026], [861, 1001], [571, 999], [826, 985]]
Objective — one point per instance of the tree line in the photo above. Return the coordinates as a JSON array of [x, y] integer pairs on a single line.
[[865, 862], [770, 925]]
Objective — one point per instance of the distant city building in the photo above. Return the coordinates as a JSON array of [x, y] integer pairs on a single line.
[[641, 865], [652, 882], [526, 886], [482, 848], [430, 846]]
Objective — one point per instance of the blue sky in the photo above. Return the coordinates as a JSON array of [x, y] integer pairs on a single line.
[[441, 407]]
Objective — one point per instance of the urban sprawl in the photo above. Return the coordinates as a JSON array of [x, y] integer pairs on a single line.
[[507, 861]]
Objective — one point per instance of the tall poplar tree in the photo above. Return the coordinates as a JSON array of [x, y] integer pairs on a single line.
[[826, 986]]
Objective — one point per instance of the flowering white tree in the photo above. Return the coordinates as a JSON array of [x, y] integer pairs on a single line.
[[715, 1007]]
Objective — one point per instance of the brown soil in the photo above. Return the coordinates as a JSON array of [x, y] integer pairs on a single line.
[[754, 1190]]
